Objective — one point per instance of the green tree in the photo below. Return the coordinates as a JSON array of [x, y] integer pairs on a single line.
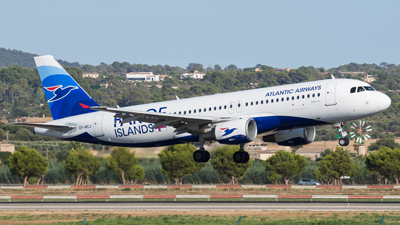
[[81, 164], [177, 162], [224, 164], [124, 163], [336, 164], [27, 162], [387, 142], [386, 162], [284, 164]]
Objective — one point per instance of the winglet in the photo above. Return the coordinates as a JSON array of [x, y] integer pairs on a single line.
[[332, 76]]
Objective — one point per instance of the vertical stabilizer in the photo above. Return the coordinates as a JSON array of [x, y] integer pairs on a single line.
[[64, 96]]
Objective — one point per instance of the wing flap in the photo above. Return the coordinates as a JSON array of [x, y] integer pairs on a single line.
[[46, 126]]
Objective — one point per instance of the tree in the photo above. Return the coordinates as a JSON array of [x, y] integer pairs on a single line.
[[80, 163], [224, 164], [386, 162], [387, 142], [124, 164], [285, 164], [177, 161], [27, 162], [336, 164]]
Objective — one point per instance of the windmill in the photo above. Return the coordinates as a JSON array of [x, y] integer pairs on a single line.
[[360, 132]]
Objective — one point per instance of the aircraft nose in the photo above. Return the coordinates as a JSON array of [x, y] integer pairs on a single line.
[[384, 102]]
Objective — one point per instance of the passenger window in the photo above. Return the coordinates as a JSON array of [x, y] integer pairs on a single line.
[[287, 99], [247, 104], [224, 106], [313, 95], [298, 97], [266, 101], [184, 112], [220, 107], [215, 108], [262, 102], [353, 90], [209, 109], [190, 111], [205, 110], [319, 94], [238, 104], [230, 106], [277, 100], [360, 89], [174, 112], [199, 110], [256, 102], [283, 99], [302, 97], [179, 112], [251, 103], [308, 96], [292, 97], [272, 101]]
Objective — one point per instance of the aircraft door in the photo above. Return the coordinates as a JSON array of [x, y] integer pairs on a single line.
[[231, 109], [239, 106], [97, 124], [330, 94]]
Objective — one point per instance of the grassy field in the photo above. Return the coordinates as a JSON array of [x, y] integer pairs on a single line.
[[197, 218]]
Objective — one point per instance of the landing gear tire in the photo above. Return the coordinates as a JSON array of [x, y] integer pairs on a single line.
[[241, 157], [201, 156], [344, 141]]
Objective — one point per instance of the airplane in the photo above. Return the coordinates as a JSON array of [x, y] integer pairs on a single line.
[[286, 114]]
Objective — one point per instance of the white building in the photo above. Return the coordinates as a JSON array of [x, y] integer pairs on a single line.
[[142, 76], [91, 75], [194, 75]]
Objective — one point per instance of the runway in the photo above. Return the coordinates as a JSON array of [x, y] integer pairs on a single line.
[[204, 206]]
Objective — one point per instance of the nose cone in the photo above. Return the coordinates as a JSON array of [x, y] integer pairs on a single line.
[[384, 102]]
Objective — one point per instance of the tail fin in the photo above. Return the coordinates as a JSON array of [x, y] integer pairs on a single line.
[[64, 96]]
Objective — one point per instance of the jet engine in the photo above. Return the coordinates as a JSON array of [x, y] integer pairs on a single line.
[[300, 136], [233, 132]]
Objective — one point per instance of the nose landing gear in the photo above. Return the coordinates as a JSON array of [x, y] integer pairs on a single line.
[[343, 140]]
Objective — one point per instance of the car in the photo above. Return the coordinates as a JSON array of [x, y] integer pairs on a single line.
[[309, 182]]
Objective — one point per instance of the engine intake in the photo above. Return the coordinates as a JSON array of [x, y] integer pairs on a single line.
[[301, 136], [233, 132]]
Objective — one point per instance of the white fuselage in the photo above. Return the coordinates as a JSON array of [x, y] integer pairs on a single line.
[[295, 106]]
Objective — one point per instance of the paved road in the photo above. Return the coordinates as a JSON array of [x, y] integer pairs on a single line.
[[209, 206]]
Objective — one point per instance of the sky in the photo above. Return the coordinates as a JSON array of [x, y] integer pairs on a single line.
[[244, 33]]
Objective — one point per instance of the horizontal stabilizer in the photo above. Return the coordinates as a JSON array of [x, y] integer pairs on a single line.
[[46, 126]]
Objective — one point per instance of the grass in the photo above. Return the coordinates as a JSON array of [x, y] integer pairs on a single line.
[[362, 218]]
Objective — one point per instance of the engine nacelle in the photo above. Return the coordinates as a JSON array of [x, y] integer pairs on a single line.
[[301, 136], [233, 132]]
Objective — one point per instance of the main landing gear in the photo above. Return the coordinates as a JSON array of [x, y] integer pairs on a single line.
[[241, 156], [201, 155], [343, 140]]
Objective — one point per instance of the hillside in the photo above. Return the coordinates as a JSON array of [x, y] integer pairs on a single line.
[[22, 95], [9, 57]]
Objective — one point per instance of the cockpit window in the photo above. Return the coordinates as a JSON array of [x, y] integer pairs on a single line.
[[369, 88], [360, 89], [353, 89]]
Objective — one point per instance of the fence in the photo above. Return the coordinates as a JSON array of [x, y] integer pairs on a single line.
[[208, 197], [217, 187]]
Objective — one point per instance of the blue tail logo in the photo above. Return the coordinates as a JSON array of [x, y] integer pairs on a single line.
[[59, 92], [64, 95]]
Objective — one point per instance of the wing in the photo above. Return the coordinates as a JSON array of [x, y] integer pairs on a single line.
[[46, 126], [181, 123]]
